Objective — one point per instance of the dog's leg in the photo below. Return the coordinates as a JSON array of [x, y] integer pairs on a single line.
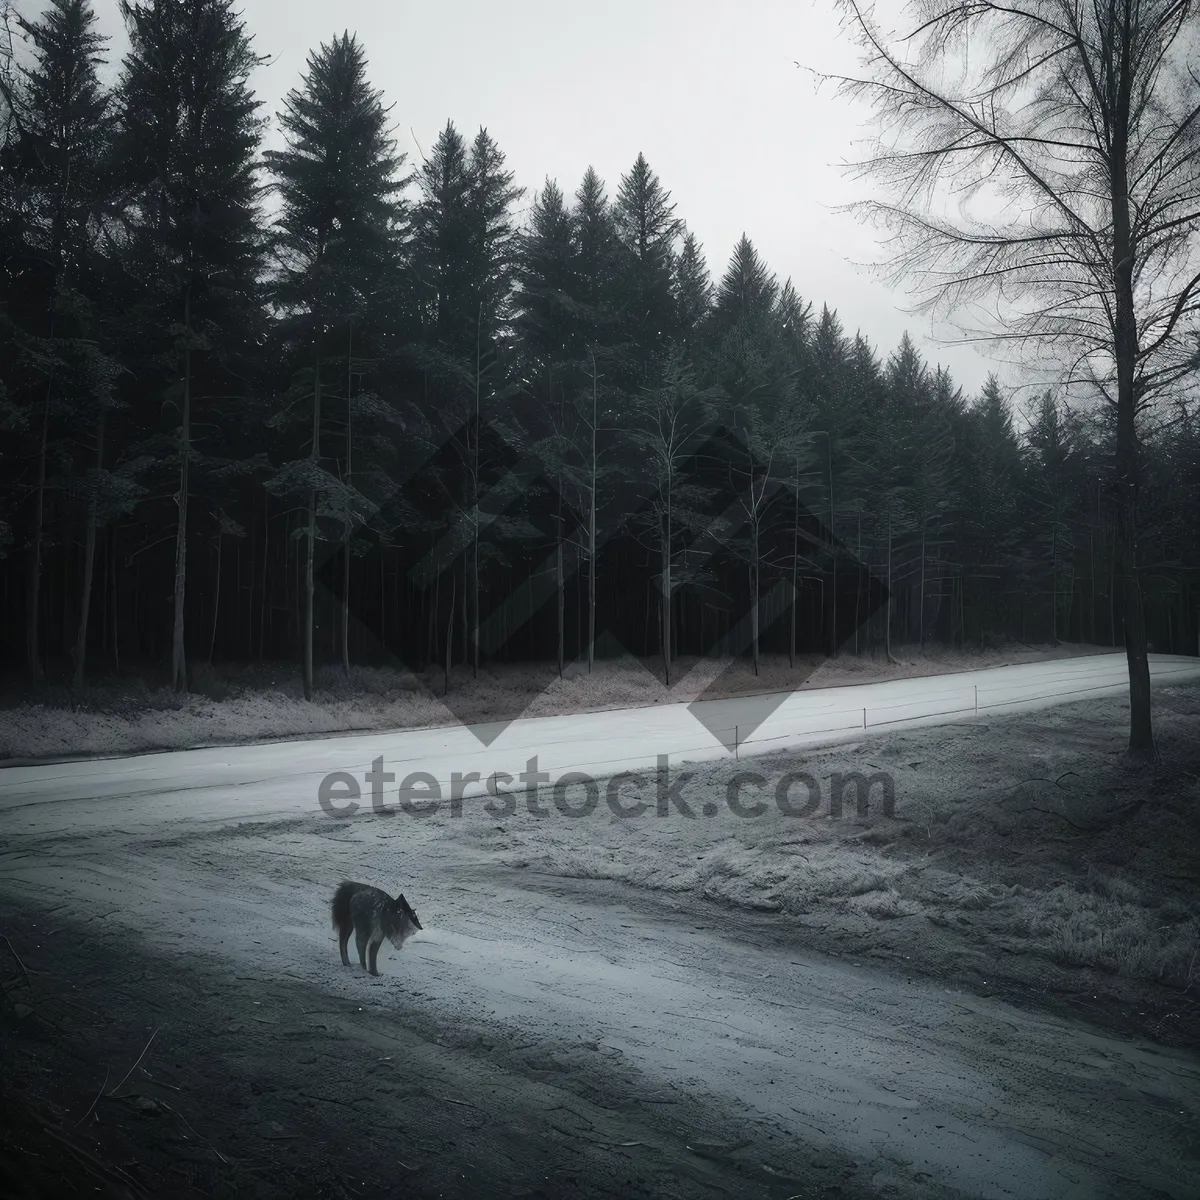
[[374, 954], [343, 942], [360, 940]]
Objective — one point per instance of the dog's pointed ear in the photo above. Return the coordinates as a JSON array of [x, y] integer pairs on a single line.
[[401, 900]]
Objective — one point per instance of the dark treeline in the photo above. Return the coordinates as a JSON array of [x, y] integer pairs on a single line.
[[318, 404]]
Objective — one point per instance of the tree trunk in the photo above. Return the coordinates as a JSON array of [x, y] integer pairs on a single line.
[[312, 528], [962, 613], [262, 600], [795, 566], [1141, 731], [1125, 351], [580, 605], [1112, 592], [666, 601], [475, 601], [833, 546], [104, 594], [858, 586], [681, 620], [649, 615], [178, 659], [1054, 584], [346, 530], [463, 611], [212, 641], [1092, 572], [33, 650], [754, 592], [116, 607], [561, 583], [921, 605], [531, 642], [450, 631], [592, 533], [431, 653], [475, 504], [560, 565], [887, 618], [89, 560]]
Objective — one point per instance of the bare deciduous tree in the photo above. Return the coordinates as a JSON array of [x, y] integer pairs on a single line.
[[1044, 155]]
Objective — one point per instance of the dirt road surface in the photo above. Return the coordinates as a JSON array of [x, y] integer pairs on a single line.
[[541, 1037]]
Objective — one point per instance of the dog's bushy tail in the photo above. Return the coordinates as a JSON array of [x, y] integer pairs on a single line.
[[342, 921]]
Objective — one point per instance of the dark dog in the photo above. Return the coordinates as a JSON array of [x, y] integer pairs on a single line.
[[373, 915]]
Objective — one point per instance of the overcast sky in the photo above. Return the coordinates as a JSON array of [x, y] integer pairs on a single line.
[[708, 90]]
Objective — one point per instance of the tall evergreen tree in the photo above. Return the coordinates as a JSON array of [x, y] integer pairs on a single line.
[[466, 243], [467, 256], [65, 125], [339, 227], [794, 317], [495, 238], [597, 257], [548, 321], [865, 395], [443, 244], [762, 410], [747, 293], [189, 133], [552, 326], [68, 117], [918, 455], [831, 440], [647, 228], [693, 294], [1049, 493], [991, 474]]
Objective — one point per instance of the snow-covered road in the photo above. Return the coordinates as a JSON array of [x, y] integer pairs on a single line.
[[274, 779]]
